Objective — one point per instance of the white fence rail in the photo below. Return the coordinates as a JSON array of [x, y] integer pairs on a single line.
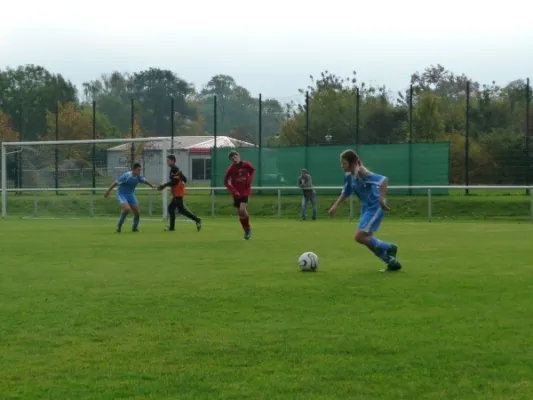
[[163, 197]]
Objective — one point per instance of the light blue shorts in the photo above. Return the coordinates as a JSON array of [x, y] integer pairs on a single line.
[[370, 220], [127, 198]]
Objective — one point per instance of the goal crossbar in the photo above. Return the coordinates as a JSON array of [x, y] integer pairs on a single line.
[[4, 154]]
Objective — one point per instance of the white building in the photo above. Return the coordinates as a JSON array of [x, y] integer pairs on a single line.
[[193, 156]]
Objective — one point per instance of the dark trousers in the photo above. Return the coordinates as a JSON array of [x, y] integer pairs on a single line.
[[177, 204]]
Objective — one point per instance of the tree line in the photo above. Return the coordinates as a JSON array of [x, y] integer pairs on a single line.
[[437, 105]]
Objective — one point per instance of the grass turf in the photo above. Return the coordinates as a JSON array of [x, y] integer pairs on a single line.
[[88, 314]]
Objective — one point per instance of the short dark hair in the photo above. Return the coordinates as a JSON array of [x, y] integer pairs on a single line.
[[232, 153], [136, 165], [350, 156], [171, 157]]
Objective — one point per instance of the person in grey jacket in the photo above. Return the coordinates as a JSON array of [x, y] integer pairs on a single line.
[[305, 182]]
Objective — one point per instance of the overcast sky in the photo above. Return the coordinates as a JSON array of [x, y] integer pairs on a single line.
[[271, 46]]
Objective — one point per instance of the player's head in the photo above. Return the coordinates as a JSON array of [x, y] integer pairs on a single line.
[[171, 160], [234, 157], [350, 161], [136, 169], [305, 172]]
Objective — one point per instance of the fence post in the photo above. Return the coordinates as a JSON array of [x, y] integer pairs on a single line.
[[56, 164], [410, 140], [279, 203], [214, 150], [307, 133], [213, 203], [91, 205], [467, 139], [528, 161], [19, 155], [164, 199], [150, 203], [531, 198], [357, 114], [172, 124], [430, 214], [94, 146], [35, 205], [260, 142], [132, 121]]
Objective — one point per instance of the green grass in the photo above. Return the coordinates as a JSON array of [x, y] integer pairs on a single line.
[[88, 314]]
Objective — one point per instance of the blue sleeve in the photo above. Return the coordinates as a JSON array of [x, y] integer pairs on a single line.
[[142, 179], [347, 189], [122, 179], [375, 179]]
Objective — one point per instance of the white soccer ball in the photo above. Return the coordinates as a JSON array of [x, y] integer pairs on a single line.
[[308, 262]]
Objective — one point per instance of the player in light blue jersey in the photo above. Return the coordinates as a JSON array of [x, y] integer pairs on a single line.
[[371, 190], [127, 183]]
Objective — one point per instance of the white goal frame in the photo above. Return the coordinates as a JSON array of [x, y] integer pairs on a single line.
[[16, 145]]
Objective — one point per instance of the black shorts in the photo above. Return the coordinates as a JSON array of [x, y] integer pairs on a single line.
[[237, 202]]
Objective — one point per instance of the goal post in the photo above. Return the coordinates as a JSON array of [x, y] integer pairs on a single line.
[[79, 165]]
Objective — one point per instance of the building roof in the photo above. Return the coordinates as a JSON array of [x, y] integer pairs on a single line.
[[192, 143]]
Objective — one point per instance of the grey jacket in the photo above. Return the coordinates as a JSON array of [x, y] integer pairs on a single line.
[[306, 183]]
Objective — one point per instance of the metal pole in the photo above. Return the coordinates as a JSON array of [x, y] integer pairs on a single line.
[[357, 113], [307, 133], [4, 180], [57, 149], [214, 152], [467, 138], [164, 199], [94, 146], [19, 155], [430, 213], [132, 155], [528, 160], [279, 203], [260, 141], [410, 140], [172, 124]]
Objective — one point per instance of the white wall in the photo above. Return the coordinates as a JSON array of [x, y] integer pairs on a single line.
[[119, 162]]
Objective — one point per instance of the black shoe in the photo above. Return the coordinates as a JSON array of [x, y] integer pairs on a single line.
[[136, 230], [170, 229], [393, 266], [118, 230], [199, 225]]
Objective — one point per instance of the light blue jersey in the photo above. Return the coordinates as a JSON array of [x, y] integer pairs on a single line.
[[366, 187], [127, 183]]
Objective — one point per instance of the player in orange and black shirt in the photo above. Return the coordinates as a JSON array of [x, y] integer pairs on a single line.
[[177, 183]]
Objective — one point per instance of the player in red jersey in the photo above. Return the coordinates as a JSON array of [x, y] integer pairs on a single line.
[[238, 180]]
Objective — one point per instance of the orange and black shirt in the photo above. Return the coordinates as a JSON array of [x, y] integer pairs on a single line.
[[177, 182]]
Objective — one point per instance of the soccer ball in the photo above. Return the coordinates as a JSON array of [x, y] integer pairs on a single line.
[[308, 262]]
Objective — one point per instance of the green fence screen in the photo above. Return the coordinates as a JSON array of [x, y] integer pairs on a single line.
[[281, 166]]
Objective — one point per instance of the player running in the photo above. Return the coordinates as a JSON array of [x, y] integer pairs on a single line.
[[177, 183], [371, 189], [238, 180], [127, 183]]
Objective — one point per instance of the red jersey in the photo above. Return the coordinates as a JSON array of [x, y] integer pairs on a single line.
[[239, 179]]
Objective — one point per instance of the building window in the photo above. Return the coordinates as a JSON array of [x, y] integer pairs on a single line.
[[201, 169]]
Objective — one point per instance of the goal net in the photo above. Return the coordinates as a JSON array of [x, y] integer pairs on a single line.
[[68, 178]]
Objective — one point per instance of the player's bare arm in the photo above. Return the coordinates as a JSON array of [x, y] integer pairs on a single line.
[[335, 205], [147, 182], [383, 194], [110, 189]]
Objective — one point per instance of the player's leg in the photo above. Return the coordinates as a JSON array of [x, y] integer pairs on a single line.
[[124, 211], [172, 215], [134, 204], [245, 218], [368, 225], [186, 212], [305, 200], [313, 204]]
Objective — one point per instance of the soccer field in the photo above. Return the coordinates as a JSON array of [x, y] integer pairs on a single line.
[[89, 314]]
